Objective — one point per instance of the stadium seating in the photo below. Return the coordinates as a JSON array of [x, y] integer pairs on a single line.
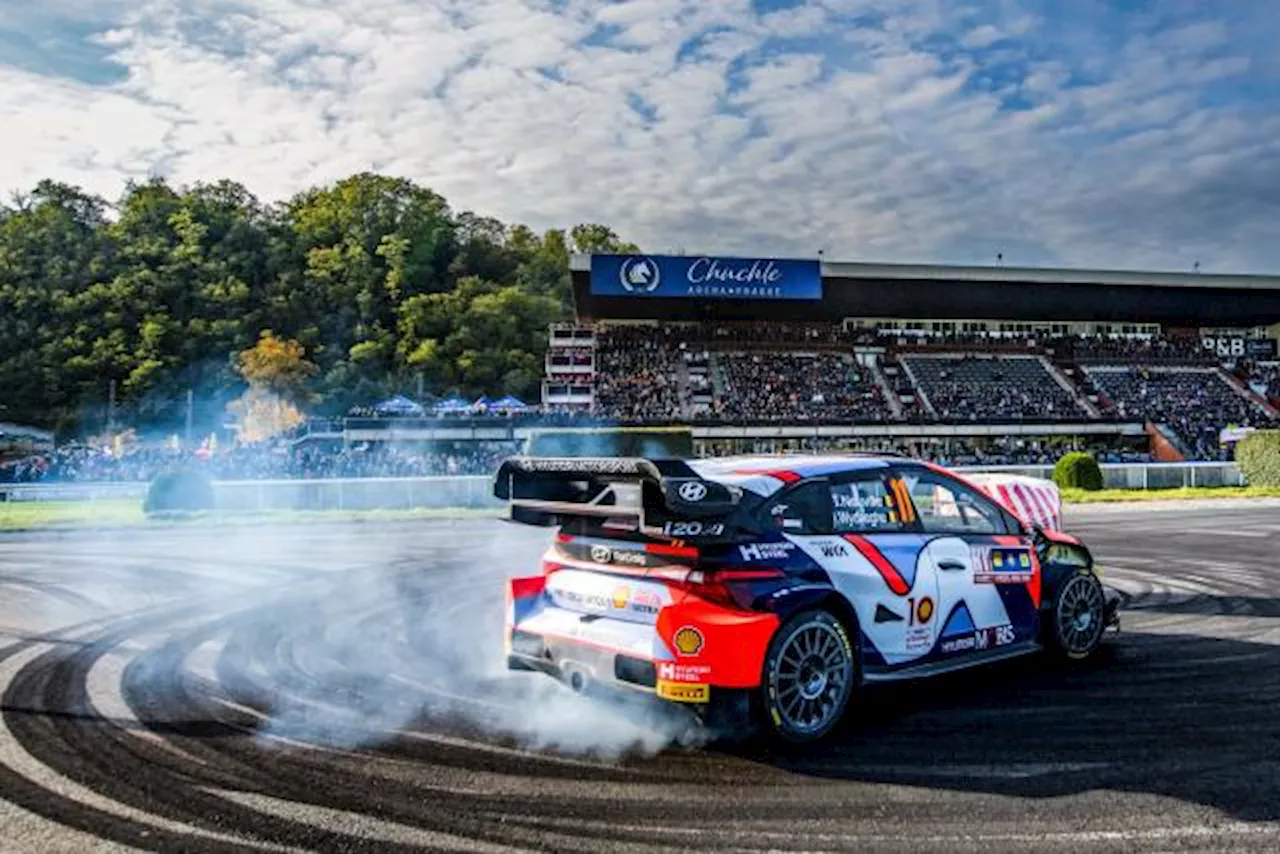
[[639, 377], [984, 388], [772, 386], [1196, 402]]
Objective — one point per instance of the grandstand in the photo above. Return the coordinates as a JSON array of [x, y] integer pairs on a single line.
[[788, 353], [965, 366]]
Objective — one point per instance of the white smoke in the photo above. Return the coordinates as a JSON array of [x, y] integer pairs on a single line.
[[350, 635]]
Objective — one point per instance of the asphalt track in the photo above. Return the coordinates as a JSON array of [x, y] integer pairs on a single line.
[[341, 689]]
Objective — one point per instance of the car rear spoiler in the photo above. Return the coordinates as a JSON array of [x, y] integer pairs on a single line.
[[651, 494]]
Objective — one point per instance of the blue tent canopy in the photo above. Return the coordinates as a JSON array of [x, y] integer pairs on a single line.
[[398, 405], [482, 401], [451, 404], [509, 402]]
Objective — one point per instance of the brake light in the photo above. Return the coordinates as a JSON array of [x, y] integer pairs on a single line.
[[715, 585]]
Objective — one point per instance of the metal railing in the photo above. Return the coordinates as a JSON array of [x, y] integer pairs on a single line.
[[1141, 475], [476, 492]]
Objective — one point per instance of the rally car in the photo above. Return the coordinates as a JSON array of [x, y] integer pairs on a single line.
[[769, 590]]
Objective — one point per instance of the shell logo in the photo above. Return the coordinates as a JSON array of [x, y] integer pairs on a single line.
[[621, 596], [688, 640]]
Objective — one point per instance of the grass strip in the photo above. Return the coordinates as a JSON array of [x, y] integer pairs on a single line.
[[1111, 496], [20, 516], [27, 515]]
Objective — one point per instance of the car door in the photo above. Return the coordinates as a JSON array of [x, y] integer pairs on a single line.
[[871, 550], [987, 573]]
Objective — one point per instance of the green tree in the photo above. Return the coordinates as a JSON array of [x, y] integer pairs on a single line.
[[161, 293]]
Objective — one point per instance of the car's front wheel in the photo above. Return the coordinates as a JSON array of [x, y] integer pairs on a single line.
[[810, 675], [1077, 616]]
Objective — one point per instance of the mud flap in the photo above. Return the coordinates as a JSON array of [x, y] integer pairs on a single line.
[[1111, 611], [730, 716]]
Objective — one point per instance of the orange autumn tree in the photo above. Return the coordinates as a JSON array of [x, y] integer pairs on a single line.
[[277, 372]]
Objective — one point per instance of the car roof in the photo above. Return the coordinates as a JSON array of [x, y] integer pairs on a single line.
[[766, 473]]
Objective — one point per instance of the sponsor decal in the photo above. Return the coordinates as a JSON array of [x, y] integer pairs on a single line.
[[693, 529], [980, 639], [688, 640], [1001, 565], [920, 638], [621, 596], [833, 549], [692, 491], [683, 692], [766, 551], [601, 596], [604, 554], [645, 602], [674, 672], [596, 465]]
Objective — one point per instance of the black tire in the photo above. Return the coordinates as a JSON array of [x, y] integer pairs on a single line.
[[1076, 617], [811, 674]]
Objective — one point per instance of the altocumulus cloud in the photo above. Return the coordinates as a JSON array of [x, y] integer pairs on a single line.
[[1081, 133]]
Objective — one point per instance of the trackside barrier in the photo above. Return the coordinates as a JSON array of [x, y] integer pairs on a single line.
[[1139, 475], [476, 492]]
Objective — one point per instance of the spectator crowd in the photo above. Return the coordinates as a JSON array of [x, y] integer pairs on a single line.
[[779, 373], [780, 387], [84, 464], [1196, 403]]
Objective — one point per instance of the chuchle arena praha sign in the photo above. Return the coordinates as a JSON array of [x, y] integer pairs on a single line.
[[671, 276]]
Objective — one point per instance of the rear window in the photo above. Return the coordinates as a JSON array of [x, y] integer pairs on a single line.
[[803, 510], [864, 505]]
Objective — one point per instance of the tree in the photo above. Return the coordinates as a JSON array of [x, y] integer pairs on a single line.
[[277, 372], [278, 366], [365, 284]]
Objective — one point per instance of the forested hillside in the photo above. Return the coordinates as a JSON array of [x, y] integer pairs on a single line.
[[380, 281]]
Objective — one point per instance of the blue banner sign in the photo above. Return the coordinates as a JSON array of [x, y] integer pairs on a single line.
[[670, 276]]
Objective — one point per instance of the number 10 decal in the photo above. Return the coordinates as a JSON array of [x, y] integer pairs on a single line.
[[919, 611]]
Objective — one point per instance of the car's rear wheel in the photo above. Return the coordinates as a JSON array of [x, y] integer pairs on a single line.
[[1078, 616], [810, 675]]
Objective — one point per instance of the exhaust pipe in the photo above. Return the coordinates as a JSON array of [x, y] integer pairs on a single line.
[[576, 677]]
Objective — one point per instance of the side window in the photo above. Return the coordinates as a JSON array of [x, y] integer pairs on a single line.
[[803, 510], [948, 507], [867, 505]]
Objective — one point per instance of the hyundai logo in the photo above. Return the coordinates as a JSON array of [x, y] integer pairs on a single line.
[[601, 554], [692, 491]]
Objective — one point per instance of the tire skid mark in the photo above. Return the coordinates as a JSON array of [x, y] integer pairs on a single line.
[[164, 718]]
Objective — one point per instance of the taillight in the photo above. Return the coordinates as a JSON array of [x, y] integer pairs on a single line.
[[715, 585]]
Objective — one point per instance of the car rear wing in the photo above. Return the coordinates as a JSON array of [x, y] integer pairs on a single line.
[[663, 498]]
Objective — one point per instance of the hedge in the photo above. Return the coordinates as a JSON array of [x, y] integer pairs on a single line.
[[1078, 471], [181, 491], [1259, 457]]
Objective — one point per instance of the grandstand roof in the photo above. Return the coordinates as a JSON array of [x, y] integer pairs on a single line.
[[929, 292], [1048, 275]]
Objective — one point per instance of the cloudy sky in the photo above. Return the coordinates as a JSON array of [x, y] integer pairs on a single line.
[[1129, 133]]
